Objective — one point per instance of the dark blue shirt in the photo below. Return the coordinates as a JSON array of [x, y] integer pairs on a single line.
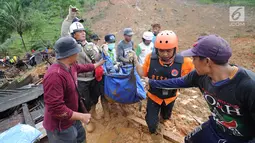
[[231, 101]]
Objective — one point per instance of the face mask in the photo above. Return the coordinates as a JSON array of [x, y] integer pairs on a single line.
[[111, 46]]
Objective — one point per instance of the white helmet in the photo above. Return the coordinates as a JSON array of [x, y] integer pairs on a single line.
[[148, 35], [75, 27]]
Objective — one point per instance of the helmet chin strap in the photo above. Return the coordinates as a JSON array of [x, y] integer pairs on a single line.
[[80, 42]]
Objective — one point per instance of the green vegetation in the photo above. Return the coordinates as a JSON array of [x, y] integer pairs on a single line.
[[231, 2], [34, 24]]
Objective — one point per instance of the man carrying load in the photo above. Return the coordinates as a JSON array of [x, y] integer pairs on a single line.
[[164, 63]]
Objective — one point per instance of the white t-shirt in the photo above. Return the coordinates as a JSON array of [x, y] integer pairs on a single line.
[[145, 50]]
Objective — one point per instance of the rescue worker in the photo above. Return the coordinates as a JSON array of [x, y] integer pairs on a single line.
[[87, 84], [70, 18], [15, 58], [13, 61], [109, 50], [2, 62], [62, 120], [109, 46], [155, 29], [125, 47], [72, 12], [164, 63], [228, 89], [95, 39], [145, 47], [38, 57], [7, 60]]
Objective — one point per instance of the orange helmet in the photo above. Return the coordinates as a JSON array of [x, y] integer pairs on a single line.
[[166, 40]]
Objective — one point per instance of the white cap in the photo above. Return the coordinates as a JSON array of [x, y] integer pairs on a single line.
[[75, 27], [148, 35]]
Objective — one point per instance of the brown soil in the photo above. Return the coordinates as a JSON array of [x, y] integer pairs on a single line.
[[188, 19]]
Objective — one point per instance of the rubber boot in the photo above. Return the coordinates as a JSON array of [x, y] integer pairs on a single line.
[[90, 127], [157, 138], [105, 107], [94, 113]]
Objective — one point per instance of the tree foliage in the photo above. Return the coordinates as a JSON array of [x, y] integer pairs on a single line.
[[4, 45], [15, 18], [36, 22]]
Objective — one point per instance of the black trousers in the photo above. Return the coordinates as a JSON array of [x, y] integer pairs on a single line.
[[206, 133], [90, 90], [152, 116], [101, 86]]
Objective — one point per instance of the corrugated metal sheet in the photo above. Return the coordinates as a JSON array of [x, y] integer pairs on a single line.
[[12, 98]]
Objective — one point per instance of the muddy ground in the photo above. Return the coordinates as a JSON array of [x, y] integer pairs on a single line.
[[188, 19]]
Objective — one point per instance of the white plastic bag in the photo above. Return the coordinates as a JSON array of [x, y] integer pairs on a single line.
[[20, 133]]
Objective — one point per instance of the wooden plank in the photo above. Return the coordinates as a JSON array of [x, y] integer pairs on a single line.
[[12, 85], [37, 114], [28, 79], [27, 115], [40, 127], [138, 120], [168, 135], [6, 79], [38, 81], [4, 85], [17, 84]]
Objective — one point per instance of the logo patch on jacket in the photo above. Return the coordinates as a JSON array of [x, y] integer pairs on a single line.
[[174, 72]]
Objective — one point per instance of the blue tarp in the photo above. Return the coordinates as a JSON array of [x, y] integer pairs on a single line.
[[123, 85], [20, 134]]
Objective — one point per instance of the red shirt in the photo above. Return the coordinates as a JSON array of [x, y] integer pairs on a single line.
[[60, 95]]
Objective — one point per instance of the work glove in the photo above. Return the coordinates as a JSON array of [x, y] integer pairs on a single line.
[[73, 11], [132, 57]]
